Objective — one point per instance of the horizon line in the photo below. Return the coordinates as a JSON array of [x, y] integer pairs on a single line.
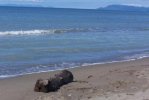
[[40, 6]]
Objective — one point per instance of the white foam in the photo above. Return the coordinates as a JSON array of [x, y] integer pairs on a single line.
[[102, 63], [38, 32], [29, 32], [137, 56]]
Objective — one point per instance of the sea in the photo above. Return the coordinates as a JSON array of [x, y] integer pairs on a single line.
[[34, 40]]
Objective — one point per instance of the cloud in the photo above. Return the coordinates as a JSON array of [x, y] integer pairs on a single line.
[[22, 0], [31, 0]]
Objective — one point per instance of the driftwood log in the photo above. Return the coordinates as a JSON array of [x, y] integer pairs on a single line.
[[54, 83]]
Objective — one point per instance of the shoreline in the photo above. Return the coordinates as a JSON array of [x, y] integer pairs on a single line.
[[83, 65], [93, 82]]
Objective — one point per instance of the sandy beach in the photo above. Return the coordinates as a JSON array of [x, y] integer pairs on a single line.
[[114, 81]]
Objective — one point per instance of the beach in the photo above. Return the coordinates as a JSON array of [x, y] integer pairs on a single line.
[[107, 51], [127, 80]]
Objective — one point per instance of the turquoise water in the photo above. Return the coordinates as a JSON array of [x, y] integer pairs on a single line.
[[41, 39]]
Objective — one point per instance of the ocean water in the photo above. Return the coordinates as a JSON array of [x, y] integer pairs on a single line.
[[42, 39]]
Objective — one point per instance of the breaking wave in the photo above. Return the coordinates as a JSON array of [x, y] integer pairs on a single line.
[[50, 31]]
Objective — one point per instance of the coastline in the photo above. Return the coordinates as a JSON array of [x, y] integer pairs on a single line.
[[83, 65], [117, 80]]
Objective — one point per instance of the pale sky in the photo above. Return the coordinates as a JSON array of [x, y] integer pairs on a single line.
[[89, 4]]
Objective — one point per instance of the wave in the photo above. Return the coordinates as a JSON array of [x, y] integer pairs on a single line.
[[137, 56], [50, 31], [24, 32], [43, 68], [58, 31]]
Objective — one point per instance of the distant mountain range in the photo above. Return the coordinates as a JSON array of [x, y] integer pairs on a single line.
[[109, 7], [125, 8]]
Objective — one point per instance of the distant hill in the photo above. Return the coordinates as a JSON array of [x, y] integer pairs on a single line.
[[125, 8]]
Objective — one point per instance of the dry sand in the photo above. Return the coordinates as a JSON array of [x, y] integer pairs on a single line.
[[114, 81]]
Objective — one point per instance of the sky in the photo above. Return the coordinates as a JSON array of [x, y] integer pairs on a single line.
[[86, 4]]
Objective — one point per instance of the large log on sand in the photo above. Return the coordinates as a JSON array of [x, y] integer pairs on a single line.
[[54, 83]]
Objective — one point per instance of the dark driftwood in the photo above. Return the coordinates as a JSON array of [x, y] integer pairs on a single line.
[[54, 83]]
